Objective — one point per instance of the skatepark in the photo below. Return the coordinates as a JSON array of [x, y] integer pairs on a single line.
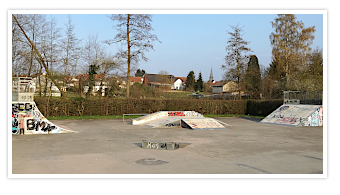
[[112, 146], [168, 142]]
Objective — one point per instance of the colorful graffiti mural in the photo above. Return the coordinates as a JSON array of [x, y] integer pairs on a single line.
[[315, 119], [28, 118]]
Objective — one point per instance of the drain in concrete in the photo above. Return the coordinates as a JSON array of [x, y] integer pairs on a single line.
[[150, 161]]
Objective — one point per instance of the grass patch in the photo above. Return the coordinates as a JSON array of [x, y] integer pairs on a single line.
[[92, 117]]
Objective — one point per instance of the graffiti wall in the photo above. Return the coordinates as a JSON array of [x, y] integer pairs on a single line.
[[296, 115], [315, 119], [26, 116]]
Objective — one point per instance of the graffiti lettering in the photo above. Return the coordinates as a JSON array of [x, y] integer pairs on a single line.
[[184, 113], [160, 145], [30, 124], [152, 145], [176, 113], [287, 120], [36, 125]]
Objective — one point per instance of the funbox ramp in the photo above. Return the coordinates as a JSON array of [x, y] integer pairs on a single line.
[[27, 117], [202, 124], [296, 115], [185, 119]]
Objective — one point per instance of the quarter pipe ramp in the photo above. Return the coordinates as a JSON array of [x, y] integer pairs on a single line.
[[296, 115], [27, 119]]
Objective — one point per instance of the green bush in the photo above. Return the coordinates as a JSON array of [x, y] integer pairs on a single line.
[[262, 108], [117, 106]]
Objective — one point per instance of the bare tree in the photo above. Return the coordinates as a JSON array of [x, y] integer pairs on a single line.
[[71, 49], [39, 57], [93, 50], [134, 31], [236, 62]]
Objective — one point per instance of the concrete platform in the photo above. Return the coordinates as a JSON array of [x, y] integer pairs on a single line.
[[115, 147]]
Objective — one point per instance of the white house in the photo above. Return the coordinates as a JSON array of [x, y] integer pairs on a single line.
[[52, 90], [179, 83]]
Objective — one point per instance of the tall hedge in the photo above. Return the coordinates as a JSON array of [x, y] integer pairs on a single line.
[[110, 106]]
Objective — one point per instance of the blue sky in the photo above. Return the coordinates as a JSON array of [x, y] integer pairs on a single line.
[[194, 41]]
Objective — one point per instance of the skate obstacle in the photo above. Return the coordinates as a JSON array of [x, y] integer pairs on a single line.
[[296, 115], [185, 119], [26, 117]]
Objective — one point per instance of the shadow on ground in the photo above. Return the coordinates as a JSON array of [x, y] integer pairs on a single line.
[[252, 119]]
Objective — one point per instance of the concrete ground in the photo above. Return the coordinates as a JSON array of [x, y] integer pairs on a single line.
[[114, 147]]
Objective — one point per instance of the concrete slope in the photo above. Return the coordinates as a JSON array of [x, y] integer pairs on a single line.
[[149, 117], [296, 115], [164, 122], [28, 117], [202, 124]]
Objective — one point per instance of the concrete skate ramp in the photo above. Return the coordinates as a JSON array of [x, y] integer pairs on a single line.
[[162, 114], [185, 119], [164, 122], [28, 117], [202, 124], [149, 117], [296, 115]]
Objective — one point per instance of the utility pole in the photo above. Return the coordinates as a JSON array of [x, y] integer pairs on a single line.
[[129, 57]]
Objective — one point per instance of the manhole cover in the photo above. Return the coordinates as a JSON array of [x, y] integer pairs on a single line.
[[150, 161]]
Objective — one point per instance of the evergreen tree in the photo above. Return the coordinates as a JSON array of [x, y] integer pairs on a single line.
[[140, 73], [190, 83], [92, 71], [253, 78], [199, 83]]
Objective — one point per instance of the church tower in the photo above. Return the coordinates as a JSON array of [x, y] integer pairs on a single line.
[[211, 78]]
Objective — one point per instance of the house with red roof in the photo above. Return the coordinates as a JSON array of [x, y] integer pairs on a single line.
[[157, 80], [180, 83], [133, 80]]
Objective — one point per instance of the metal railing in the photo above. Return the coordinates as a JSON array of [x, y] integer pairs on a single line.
[[303, 97]]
